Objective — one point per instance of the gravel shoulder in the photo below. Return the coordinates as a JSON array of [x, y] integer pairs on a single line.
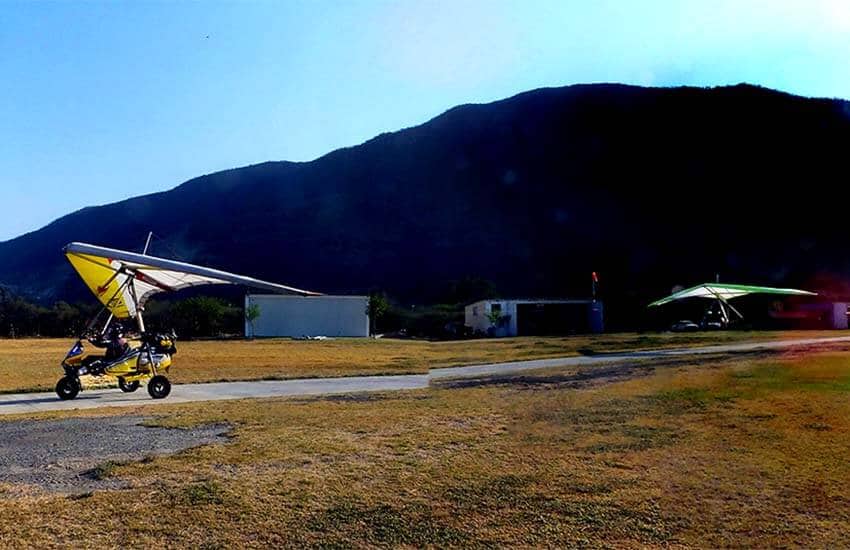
[[69, 455]]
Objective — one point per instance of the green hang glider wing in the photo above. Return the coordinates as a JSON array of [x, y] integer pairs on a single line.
[[723, 292]]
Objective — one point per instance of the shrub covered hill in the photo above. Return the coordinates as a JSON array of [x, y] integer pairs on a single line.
[[650, 187]]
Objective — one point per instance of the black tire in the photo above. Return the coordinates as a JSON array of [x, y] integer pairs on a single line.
[[128, 387], [68, 387], [159, 387]]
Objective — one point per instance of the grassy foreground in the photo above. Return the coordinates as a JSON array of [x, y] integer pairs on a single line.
[[33, 364], [741, 452]]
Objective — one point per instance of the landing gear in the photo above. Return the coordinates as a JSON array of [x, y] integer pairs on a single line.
[[128, 387], [68, 387], [159, 387]]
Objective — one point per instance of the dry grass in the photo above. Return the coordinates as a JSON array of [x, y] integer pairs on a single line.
[[743, 452], [33, 364]]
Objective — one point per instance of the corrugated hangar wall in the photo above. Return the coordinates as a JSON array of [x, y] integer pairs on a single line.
[[297, 316]]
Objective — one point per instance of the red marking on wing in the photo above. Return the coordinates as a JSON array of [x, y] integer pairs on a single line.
[[147, 279]]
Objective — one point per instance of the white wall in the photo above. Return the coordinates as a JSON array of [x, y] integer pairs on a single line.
[[838, 317], [481, 322], [475, 316], [296, 316]]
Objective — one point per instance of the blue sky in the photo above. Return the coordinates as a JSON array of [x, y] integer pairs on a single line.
[[101, 101]]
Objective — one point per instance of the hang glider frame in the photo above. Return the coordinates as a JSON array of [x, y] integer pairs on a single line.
[[713, 291], [724, 303], [126, 300], [129, 283]]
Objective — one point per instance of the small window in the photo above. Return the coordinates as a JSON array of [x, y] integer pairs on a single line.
[[475, 311], [496, 308]]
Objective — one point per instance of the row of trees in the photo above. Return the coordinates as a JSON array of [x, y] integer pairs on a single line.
[[195, 317], [19, 317], [444, 319], [204, 316]]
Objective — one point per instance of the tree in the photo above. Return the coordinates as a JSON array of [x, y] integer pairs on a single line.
[[199, 316], [377, 308], [252, 313], [21, 318], [495, 317], [65, 319]]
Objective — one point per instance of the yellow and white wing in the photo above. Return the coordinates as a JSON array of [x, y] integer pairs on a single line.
[[123, 281]]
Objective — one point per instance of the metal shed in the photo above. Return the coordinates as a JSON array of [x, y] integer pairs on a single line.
[[298, 316], [526, 317]]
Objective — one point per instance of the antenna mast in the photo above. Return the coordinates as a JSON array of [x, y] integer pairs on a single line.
[[147, 242]]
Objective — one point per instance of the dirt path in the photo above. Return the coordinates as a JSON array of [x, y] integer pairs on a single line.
[[185, 393]]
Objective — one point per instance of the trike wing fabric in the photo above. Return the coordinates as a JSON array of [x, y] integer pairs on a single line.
[[718, 291], [106, 271]]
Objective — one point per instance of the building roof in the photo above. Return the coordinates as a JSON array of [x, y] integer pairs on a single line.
[[534, 301]]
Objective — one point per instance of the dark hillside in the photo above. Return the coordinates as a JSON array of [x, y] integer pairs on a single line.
[[649, 187]]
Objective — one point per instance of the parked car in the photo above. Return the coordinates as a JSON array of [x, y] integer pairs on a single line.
[[684, 326]]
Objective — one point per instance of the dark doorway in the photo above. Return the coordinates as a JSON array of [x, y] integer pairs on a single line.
[[551, 319]]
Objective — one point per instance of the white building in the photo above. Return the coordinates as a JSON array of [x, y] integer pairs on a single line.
[[297, 316], [524, 317]]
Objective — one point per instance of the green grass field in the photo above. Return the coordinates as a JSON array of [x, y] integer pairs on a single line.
[[33, 364], [734, 451]]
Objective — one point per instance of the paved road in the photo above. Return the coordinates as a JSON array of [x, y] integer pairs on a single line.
[[185, 393]]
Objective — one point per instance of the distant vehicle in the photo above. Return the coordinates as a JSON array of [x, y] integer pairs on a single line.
[[684, 326], [715, 318]]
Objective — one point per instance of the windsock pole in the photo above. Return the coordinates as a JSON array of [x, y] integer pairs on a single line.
[[595, 280]]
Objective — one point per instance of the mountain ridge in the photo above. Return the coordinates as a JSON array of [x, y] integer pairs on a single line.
[[649, 186], [742, 85]]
